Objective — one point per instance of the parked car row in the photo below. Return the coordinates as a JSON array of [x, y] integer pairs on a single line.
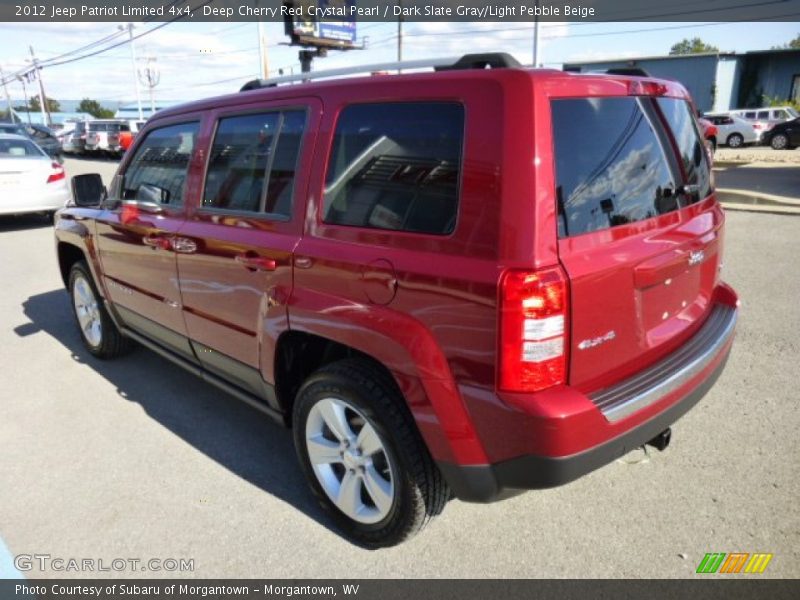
[[99, 136], [773, 126]]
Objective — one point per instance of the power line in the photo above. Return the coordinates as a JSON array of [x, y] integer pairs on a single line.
[[54, 62]]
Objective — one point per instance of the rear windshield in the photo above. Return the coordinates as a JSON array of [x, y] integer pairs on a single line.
[[19, 149], [616, 164]]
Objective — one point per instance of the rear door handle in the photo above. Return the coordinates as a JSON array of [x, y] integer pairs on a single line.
[[256, 263], [157, 241]]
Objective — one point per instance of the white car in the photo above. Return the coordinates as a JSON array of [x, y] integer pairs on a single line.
[[30, 181], [733, 131]]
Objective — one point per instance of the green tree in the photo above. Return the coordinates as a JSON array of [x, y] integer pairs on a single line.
[[93, 108], [52, 105], [692, 46], [791, 45]]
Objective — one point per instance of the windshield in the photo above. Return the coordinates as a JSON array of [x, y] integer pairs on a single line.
[[794, 114]]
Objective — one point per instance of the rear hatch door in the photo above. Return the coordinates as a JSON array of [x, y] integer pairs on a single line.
[[639, 230]]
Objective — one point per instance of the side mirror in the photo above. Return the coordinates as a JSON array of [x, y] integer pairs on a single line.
[[88, 190]]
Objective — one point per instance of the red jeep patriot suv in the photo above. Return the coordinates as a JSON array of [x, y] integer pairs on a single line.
[[468, 282]]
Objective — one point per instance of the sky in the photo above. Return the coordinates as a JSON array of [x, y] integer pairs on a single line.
[[197, 60]]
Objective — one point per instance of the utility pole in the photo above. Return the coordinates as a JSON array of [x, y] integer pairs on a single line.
[[262, 52], [8, 98], [151, 78], [129, 27], [535, 37], [25, 93], [400, 35], [42, 97]]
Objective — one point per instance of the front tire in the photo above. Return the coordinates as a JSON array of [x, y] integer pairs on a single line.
[[363, 456], [99, 333], [779, 142]]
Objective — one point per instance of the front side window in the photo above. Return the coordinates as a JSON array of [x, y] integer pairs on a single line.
[[396, 166], [157, 171], [253, 162]]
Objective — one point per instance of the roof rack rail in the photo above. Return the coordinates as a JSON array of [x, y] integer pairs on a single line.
[[496, 60]]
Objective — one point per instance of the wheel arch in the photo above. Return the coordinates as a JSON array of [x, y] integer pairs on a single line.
[[400, 346], [68, 255]]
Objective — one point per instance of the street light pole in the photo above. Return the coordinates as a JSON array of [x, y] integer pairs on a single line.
[[135, 72]]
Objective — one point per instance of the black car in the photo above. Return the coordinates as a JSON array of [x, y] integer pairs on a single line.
[[46, 139], [784, 136], [43, 136]]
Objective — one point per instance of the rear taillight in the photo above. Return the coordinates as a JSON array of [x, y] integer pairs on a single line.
[[57, 173], [533, 321]]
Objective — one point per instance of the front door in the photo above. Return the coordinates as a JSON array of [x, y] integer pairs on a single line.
[[136, 232], [235, 249]]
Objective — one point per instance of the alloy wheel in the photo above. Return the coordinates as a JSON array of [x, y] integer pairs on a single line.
[[87, 310], [350, 460]]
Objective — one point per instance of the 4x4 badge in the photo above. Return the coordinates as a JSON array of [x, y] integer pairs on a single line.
[[591, 343]]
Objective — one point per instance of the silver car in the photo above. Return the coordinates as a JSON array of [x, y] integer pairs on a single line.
[[733, 131]]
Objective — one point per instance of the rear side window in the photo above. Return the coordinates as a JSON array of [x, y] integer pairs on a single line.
[[763, 115], [396, 166], [253, 163], [157, 171], [694, 161]]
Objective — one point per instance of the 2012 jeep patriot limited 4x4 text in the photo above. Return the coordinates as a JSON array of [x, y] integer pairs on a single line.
[[462, 283]]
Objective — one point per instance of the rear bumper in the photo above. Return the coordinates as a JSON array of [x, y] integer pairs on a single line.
[[48, 200], [665, 392]]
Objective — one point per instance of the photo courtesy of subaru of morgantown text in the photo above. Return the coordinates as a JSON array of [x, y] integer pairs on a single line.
[[523, 282]]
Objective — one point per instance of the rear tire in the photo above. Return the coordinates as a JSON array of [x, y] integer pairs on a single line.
[[99, 333], [779, 141], [371, 470], [735, 140]]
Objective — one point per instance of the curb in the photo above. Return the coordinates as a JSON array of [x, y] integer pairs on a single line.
[[771, 198], [760, 208]]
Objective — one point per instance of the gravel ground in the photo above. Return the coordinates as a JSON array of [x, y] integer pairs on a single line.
[[758, 154]]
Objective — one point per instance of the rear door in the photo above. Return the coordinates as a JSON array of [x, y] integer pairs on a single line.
[[639, 230]]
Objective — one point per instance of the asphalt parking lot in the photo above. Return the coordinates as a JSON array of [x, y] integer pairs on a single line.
[[137, 459]]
